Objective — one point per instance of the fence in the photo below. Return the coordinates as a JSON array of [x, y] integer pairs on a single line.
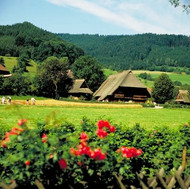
[[160, 181], [169, 182]]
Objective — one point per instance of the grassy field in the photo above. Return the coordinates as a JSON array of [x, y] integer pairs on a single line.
[[183, 78], [146, 117], [10, 62], [108, 72]]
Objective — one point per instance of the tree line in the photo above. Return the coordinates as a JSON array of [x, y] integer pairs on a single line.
[[52, 78], [141, 51]]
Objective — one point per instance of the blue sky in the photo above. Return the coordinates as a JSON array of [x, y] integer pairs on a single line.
[[105, 17]]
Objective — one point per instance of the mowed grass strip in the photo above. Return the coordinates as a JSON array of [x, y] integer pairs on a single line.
[[52, 102], [149, 118]]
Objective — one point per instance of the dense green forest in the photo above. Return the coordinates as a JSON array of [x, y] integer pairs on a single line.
[[34, 43], [142, 51]]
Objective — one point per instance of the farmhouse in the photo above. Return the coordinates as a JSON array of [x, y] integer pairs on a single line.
[[124, 86], [183, 97], [80, 88], [4, 71]]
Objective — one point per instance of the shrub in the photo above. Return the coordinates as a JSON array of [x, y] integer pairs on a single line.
[[88, 155], [64, 155]]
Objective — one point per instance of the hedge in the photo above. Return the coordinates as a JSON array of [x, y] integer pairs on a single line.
[[88, 155]]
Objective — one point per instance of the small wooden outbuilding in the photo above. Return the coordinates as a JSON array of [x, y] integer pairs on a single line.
[[124, 86], [3, 70], [80, 88], [183, 97]]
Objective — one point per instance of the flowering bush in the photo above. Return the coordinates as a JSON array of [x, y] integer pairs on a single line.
[[88, 155], [57, 156]]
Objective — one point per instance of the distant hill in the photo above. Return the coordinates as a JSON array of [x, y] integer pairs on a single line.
[[36, 43], [145, 51]]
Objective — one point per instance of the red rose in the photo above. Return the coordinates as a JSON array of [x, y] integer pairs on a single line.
[[21, 122], [102, 157], [103, 123], [112, 129], [16, 131], [44, 138], [130, 152], [97, 154], [101, 133], [78, 152], [83, 136], [27, 163], [62, 164], [100, 124], [106, 124], [86, 150], [139, 152]]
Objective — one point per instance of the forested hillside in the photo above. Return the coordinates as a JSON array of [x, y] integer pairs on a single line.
[[35, 43], [145, 51]]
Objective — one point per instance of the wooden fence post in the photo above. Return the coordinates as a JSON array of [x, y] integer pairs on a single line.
[[12, 186], [119, 178]]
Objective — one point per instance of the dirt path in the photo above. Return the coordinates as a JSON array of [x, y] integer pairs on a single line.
[[76, 104]]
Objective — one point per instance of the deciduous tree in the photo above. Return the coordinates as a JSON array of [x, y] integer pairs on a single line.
[[16, 84], [86, 67], [163, 89], [52, 79]]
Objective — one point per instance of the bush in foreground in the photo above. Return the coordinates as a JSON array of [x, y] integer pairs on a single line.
[[87, 156]]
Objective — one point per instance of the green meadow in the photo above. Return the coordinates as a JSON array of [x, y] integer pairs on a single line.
[[10, 62], [183, 78], [147, 117]]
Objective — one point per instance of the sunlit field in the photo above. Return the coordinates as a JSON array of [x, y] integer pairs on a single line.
[[146, 117]]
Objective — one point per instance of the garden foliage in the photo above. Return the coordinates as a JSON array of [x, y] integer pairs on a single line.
[[88, 155]]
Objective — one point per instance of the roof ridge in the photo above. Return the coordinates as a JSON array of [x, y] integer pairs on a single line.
[[114, 85]]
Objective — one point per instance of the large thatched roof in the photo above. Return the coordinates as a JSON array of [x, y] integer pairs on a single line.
[[113, 82], [80, 86], [183, 96]]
